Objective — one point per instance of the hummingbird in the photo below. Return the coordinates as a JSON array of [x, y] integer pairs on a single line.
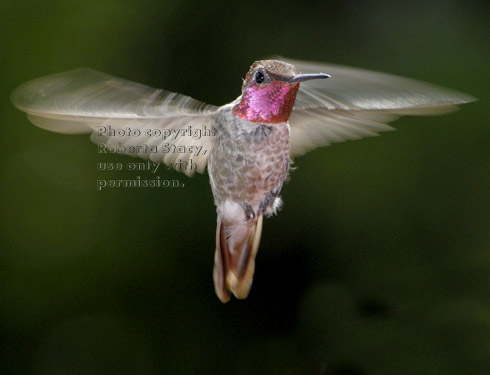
[[286, 108]]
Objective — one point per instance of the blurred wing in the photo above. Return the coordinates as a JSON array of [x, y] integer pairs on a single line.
[[88, 101], [356, 103]]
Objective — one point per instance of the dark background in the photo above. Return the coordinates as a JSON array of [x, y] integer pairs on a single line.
[[379, 262]]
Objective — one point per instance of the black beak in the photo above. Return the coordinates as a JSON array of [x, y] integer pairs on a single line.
[[307, 77]]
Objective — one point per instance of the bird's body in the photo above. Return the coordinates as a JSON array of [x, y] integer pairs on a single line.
[[247, 168], [280, 114], [248, 161]]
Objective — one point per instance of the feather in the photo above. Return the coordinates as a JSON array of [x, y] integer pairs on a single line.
[[88, 101], [355, 103]]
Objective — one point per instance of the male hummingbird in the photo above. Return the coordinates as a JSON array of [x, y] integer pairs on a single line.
[[281, 113]]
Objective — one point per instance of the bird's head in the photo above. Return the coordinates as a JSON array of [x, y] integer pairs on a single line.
[[269, 91]]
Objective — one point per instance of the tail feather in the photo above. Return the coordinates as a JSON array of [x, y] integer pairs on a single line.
[[234, 259]]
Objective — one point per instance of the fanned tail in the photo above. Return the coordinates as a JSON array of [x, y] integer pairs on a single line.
[[234, 259]]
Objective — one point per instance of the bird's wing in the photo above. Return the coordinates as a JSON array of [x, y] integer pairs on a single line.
[[356, 103], [88, 101]]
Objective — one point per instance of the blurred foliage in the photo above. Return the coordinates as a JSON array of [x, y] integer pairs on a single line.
[[379, 262]]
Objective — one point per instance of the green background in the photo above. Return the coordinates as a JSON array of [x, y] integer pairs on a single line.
[[379, 262]]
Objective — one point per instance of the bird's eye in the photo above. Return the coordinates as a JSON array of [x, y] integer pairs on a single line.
[[259, 77]]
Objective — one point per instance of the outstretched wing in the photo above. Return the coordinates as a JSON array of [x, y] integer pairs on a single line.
[[88, 101], [356, 103]]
